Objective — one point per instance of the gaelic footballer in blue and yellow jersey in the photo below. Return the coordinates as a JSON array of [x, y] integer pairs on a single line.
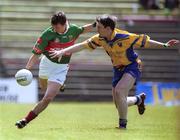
[[120, 48], [50, 39]]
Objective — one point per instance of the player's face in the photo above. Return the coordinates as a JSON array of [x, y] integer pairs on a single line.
[[103, 32], [60, 28]]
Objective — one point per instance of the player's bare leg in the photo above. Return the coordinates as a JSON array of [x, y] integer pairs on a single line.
[[121, 92], [114, 97], [43, 85], [51, 92], [122, 102]]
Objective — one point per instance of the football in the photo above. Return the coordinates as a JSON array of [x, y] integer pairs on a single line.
[[24, 77]]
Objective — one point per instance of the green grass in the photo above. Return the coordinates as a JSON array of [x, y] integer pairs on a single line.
[[89, 121]]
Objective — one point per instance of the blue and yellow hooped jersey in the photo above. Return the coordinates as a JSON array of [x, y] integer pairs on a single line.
[[121, 47]]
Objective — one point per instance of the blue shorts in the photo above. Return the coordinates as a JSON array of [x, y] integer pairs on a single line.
[[131, 69]]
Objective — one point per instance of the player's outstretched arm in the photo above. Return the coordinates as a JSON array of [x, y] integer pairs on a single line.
[[170, 43], [75, 48], [32, 60]]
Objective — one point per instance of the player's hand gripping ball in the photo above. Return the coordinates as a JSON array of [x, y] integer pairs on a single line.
[[24, 77]]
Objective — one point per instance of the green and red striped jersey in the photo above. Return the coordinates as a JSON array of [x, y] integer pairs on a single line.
[[51, 39]]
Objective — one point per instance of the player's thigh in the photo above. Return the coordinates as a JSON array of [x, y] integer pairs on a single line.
[[126, 82], [43, 84], [52, 90]]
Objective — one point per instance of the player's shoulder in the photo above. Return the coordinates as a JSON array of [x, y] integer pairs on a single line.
[[74, 26], [75, 29], [125, 32], [122, 34], [121, 31], [48, 31]]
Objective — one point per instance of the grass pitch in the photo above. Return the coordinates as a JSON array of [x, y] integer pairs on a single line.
[[89, 121]]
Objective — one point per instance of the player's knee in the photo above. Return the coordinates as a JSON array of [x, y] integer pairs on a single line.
[[120, 89], [50, 94], [121, 93]]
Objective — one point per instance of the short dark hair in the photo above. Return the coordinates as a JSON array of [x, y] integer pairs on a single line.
[[107, 20], [58, 18]]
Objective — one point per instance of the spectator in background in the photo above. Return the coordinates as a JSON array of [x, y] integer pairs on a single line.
[[171, 4], [150, 4]]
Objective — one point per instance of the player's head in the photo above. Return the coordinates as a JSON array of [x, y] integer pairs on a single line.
[[106, 24], [59, 22]]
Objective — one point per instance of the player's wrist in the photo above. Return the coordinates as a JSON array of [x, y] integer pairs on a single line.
[[28, 67], [165, 45], [61, 53]]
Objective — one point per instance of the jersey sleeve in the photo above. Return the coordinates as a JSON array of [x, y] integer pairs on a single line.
[[139, 41], [93, 42], [40, 44]]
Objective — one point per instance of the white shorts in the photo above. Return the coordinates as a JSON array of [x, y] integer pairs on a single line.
[[52, 71]]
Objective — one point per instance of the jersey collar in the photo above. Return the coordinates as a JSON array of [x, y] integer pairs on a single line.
[[67, 27], [112, 36]]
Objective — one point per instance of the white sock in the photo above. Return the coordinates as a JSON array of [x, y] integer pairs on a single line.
[[131, 100]]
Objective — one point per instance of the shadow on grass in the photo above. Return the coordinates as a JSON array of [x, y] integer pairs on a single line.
[[117, 129]]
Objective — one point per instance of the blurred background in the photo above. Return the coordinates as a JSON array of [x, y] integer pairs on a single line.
[[89, 78]]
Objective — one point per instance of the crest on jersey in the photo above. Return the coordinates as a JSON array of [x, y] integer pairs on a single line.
[[119, 44], [57, 40], [70, 37]]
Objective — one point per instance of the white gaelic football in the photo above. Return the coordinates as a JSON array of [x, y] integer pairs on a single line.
[[24, 77]]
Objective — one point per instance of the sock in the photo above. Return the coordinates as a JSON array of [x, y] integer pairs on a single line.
[[31, 115], [132, 100], [122, 123], [138, 100]]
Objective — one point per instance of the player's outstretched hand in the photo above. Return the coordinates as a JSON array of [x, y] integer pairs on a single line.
[[172, 43], [54, 53]]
